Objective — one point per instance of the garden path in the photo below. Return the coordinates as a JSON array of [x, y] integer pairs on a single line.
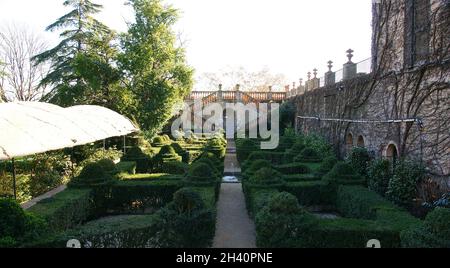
[[234, 227]]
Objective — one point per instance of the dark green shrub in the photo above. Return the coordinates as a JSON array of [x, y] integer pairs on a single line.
[[318, 144], [379, 174], [201, 173], [402, 187], [135, 154], [327, 165], [12, 219], [216, 147], [166, 155], [159, 141], [273, 157], [360, 202], [185, 223], [209, 158], [67, 209], [344, 174], [211, 163], [255, 166], [126, 167], [285, 143], [18, 226], [244, 148], [181, 152], [108, 166], [92, 175], [266, 177], [142, 196], [308, 155], [434, 233], [280, 223], [311, 193], [293, 152], [359, 159], [294, 168]]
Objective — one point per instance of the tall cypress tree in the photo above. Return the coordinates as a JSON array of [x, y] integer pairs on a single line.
[[80, 34]]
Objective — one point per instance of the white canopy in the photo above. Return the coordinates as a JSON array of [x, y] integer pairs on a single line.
[[28, 128]]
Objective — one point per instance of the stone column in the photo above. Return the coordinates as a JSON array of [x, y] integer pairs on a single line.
[[349, 68], [270, 92], [330, 76]]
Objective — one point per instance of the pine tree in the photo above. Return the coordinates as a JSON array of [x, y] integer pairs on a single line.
[[81, 35]]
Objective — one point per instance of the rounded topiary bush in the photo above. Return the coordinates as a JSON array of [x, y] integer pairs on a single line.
[[13, 219], [433, 233], [180, 151], [285, 143], [186, 201], [159, 141], [327, 165], [185, 222], [255, 166], [108, 165], [308, 155], [282, 223], [267, 177], [210, 162], [343, 173], [167, 154], [135, 154], [438, 222], [216, 147], [244, 149], [92, 175], [360, 159], [293, 152], [201, 173]]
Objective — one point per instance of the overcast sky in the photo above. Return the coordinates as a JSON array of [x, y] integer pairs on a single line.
[[288, 36]]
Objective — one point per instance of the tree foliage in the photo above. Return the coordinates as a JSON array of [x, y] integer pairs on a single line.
[[154, 64]]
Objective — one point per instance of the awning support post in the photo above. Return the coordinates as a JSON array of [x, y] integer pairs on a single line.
[[14, 178], [124, 145]]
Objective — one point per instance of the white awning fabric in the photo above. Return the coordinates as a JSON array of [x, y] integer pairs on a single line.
[[28, 128]]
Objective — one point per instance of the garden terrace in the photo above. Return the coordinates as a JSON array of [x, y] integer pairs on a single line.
[[321, 184], [116, 206]]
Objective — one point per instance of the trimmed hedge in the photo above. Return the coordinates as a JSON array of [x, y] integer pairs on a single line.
[[311, 193], [293, 168], [433, 233], [67, 209], [126, 167], [344, 174], [129, 197]]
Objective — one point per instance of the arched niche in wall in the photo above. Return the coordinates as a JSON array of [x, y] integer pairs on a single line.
[[391, 153], [361, 142]]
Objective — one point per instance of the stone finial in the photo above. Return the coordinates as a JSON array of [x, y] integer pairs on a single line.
[[301, 81], [270, 88], [350, 54], [238, 87], [315, 72], [330, 65], [309, 76], [220, 87], [293, 85]]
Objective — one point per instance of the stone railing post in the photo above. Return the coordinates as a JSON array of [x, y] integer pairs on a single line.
[[315, 81], [220, 93], [238, 93], [308, 83], [270, 93], [330, 76], [349, 70]]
